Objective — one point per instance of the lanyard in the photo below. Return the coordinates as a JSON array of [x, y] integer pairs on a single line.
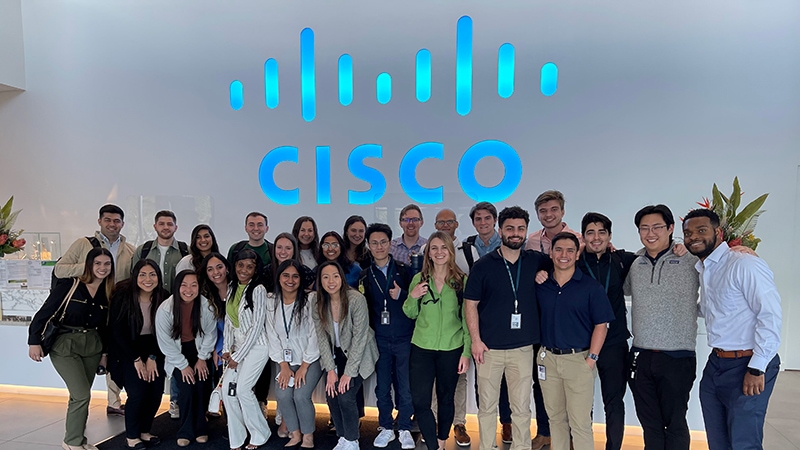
[[288, 326], [514, 287], [608, 275], [388, 280]]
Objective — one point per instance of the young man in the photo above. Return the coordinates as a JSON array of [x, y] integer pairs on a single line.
[[410, 243], [663, 288], [166, 251], [742, 310], [111, 221], [609, 268], [256, 227], [550, 211], [574, 314], [484, 219], [385, 285], [503, 319]]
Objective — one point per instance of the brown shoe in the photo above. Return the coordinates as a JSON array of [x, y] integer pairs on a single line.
[[506, 435], [460, 433], [539, 441]]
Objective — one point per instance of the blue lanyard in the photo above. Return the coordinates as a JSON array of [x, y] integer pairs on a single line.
[[608, 275], [514, 287], [388, 280], [288, 326]]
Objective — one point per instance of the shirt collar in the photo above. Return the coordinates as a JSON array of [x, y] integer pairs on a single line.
[[107, 241], [718, 253], [403, 242]]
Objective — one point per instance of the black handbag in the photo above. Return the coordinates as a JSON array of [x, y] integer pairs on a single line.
[[52, 329]]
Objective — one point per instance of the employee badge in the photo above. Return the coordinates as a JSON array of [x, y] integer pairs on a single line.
[[542, 373], [287, 355], [385, 318], [516, 321]]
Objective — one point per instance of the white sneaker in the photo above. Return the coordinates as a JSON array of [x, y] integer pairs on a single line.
[[383, 438], [351, 445], [174, 411], [341, 445], [406, 441]]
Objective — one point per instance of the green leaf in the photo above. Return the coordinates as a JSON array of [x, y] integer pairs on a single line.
[[6, 210], [751, 209], [736, 196], [716, 196], [749, 225], [11, 219]]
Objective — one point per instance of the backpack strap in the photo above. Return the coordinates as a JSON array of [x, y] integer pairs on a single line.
[[94, 241], [183, 248], [466, 247], [146, 249]]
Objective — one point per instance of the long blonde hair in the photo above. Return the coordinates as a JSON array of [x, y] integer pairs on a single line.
[[455, 276]]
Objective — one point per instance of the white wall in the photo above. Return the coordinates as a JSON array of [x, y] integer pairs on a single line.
[[127, 102], [12, 54]]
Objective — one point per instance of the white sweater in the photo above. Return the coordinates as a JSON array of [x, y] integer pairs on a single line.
[[302, 338], [171, 348], [251, 330]]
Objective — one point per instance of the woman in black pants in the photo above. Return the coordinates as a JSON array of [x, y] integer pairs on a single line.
[[135, 361]]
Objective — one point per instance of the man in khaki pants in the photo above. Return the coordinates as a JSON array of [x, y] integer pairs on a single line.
[[575, 312], [503, 319]]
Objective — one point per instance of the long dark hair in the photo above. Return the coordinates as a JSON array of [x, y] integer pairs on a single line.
[[127, 294], [255, 281], [296, 232], [176, 306], [302, 296], [197, 257], [324, 299], [361, 248], [295, 247], [88, 273], [343, 260], [207, 287]]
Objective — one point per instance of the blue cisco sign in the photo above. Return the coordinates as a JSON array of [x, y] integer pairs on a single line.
[[548, 84]]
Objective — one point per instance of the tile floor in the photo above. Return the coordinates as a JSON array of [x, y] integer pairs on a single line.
[[36, 422]]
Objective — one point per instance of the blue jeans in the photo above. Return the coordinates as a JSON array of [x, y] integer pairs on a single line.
[[734, 420], [391, 370]]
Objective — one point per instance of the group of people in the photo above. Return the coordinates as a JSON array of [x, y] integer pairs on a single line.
[[543, 310]]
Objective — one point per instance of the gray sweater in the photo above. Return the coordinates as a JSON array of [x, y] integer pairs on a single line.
[[664, 302]]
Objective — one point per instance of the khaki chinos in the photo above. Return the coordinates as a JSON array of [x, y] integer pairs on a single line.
[[517, 364], [568, 391]]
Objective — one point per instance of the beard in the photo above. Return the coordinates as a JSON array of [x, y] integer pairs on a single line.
[[513, 245], [707, 250]]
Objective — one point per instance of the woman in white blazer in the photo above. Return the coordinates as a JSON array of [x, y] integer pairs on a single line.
[[245, 350], [186, 333]]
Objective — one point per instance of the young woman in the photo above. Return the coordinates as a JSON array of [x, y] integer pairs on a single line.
[[293, 347], [285, 248], [134, 359], [347, 348], [305, 231], [185, 329], [355, 245], [440, 346], [332, 249], [246, 352], [203, 243], [215, 285], [79, 350]]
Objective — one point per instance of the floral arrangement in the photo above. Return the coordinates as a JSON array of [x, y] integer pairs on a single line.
[[737, 228], [10, 240]]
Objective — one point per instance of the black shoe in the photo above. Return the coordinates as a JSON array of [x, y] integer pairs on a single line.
[[154, 440], [111, 411]]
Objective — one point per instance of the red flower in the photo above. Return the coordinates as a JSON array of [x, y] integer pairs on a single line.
[[3, 238], [18, 243], [705, 203], [735, 242]]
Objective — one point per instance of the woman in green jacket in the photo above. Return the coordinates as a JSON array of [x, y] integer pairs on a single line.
[[440, 345]]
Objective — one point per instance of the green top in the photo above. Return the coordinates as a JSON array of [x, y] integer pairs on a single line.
[[232, 305], [262, 251], [438, 325]]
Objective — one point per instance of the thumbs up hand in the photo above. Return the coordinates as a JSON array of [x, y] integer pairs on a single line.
[[395, 291]]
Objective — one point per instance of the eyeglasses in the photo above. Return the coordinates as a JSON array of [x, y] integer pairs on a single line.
[[449, 223], [375, 244], [411, 220], [330, 245], [656, 229]]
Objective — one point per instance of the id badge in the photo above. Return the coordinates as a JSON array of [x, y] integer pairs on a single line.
[[385, 318], [516, 321], [287, 355], [542, 373], [231, 389]]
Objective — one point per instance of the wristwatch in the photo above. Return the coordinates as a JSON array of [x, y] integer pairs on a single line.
[[593, 357], [755, 372], [153, 357]]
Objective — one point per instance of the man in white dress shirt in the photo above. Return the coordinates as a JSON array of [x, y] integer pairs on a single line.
[[742, 309]]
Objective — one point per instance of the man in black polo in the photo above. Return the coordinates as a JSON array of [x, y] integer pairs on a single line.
[[574, 313], [503, 319]]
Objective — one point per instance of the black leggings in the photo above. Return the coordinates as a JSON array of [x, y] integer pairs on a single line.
[[425, 367], [192, 398]]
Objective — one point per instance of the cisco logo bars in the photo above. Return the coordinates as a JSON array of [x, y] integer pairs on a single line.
[[512, 176], [548, 83]]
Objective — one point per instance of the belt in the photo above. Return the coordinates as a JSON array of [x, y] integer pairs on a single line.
[[71, 329], [565, 351], [732, 354]]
